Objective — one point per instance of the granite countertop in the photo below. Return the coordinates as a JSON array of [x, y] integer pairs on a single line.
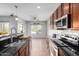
[[24, 37], [13, 48], [7, 36]]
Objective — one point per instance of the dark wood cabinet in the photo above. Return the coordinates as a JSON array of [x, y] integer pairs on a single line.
[[56, 14], [50, 21], [75, 15], [73, 10], [59, 11], [55, 17], [65, 8], [27, 51], [23, 51], [53, 21], [61, 52]]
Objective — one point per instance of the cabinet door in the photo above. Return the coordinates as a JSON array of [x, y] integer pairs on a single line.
[[59, 11], [17, 54], [75, 15], [23, 53], [50, 21], [66, 8], [60, 52], [55, 17], [53, 21], [56, 14]]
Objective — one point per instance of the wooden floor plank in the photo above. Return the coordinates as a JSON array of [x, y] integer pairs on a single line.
[[39, 47]]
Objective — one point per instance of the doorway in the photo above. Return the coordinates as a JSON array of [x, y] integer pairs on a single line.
[[36, 30]]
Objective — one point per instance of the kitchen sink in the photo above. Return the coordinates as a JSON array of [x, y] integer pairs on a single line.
[[8, 51], [14, 44]]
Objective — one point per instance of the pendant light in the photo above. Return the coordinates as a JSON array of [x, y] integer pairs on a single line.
[[16, 17]]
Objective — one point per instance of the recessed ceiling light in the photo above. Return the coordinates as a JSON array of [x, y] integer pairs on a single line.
[[38, 7]]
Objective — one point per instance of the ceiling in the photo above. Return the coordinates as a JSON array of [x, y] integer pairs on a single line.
[[27, 11]]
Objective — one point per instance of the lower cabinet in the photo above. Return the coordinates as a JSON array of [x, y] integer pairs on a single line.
[[60, 52], [23, 54], [17, 54], [23, 51]]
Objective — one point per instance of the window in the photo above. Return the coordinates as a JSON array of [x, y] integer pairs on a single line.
[[20, 28], [36, 29], [4, 28]]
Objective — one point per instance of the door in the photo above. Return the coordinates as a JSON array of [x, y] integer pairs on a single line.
[[36, 30]]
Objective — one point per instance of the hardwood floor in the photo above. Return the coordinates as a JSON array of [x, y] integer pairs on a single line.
[[39, 47]]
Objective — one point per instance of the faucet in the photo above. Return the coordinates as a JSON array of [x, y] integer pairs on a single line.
[[13, 32]]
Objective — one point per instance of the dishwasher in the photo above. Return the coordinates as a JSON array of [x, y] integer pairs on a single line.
[[53, 49]]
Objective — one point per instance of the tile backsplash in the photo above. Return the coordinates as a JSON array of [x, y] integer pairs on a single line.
[[64, 32]]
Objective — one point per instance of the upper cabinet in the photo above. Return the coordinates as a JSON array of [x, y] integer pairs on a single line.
[[59, 11], [52, 21], [56, 14], [75, 15], [65, 8]]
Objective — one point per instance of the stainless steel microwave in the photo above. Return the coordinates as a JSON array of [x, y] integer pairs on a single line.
[[64, 22]]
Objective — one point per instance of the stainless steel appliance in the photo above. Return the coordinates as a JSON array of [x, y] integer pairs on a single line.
[[66, 49], [71, 39], [64, 21]]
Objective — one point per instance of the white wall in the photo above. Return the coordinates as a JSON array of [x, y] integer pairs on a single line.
[[13, 23], [0, 27], [21, 21], [44, 28], [10, 20]]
